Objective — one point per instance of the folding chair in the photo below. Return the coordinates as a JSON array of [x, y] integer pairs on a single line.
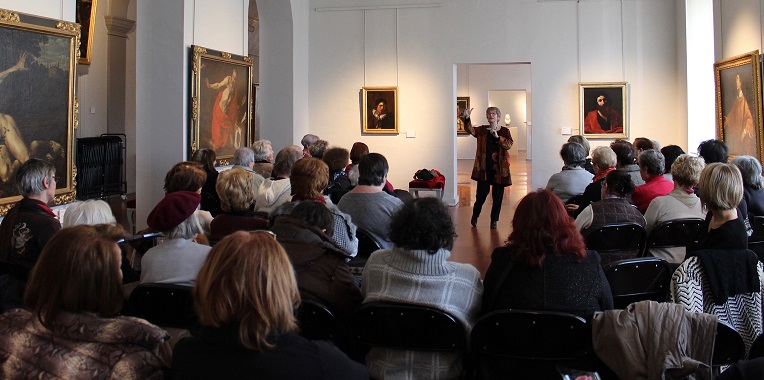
[[639, 279], [671, 234], [163, 305], [616, 241]]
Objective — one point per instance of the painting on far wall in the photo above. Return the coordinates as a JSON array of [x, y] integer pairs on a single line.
[[604, 110], [221, 102], [738, 104], [86, 17], [379, 110], [38, 108], [462, 103]]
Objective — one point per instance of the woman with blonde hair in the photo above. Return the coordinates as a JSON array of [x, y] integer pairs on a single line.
[[236, 188], [721, 190], [71, 327], [246, 297]]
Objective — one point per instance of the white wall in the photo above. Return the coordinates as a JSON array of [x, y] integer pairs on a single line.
[[56, 9]]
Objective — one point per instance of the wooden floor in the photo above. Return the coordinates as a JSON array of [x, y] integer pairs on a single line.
[[474, 245]]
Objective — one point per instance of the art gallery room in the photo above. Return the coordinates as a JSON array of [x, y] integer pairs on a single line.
[[326, 67]]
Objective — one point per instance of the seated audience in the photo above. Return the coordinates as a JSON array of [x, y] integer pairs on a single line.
[[177, 259], [308, 180], [318, 148], [371, 208], [721, 190], [642, 144], [245, 158], [680, 203], [357, 152], [263, 150], [237, 192], [306, 142], [277, 190], [614, 207], [603, 161], [626, 160], [713, 151], [319, 264], [96, 211], [584, 143], [189, 176], [339, 184], [573, 178], [651, 164], [246, 300], [545, 264], [670, 153], [753, 194], [210, 199], [71, 328], [417, 271]]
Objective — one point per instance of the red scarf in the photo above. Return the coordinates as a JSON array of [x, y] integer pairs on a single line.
[[602, 174]]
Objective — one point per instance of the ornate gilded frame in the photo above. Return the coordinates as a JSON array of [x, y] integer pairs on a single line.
[[369, 96], [86, 17], [731, 108], [217, 68], [463, 102], [38, 72], [617, 94]]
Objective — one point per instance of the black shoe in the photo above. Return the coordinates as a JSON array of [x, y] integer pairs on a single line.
[[474, 221], [493, 224]]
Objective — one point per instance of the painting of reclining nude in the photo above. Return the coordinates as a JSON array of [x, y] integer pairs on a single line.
[[37, 105]]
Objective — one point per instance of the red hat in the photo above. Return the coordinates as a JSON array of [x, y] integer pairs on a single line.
[[173, 209]]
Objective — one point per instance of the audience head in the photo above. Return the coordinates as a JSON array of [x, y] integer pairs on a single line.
[[713, 151], [372, 170], [573, 154], [618, 183], [263, 150], [244, 157], [236, 189], [642, 144], [750, 169], [175, 215], [624, 152], [670, 153], [285, 160], [315, 214], [318, 148], [336, 158], [686, 171], [422, 224], [185, 176], [35, 178], [89, 212], [358, 150], [603, 158], [78, 271], [721, 187], [248, 281], [581, 140], [656, 145], [309, 178], [540, 225], [206, 157], [651, 162], [308, 140]]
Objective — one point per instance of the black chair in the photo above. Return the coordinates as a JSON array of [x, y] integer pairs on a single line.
[[728, 347], [408, 327], [617, 241], [639, 279], [672, 233], [366, 245], [317, 322], [757, 348], [756, 240], [530, 344], [163, 305]]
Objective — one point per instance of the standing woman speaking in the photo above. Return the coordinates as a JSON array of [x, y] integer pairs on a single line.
[[491, 168]]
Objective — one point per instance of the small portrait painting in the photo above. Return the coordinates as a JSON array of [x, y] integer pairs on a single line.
[[380, 105], [462, 103], [738, 104], [603, 110]]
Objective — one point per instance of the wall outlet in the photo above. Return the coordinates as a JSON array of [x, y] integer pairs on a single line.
[[567, 131], [410, 134]]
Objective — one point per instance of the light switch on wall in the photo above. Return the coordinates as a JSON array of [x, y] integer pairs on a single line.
[[567, 131], [92, 109], [410, 134]]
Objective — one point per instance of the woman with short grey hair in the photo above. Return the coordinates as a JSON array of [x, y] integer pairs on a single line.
[[573, 178], [753, 193]]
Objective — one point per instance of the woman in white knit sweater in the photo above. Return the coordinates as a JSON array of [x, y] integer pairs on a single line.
[[416, 271]]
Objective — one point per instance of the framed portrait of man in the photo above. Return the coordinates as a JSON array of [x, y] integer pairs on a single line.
[[38, 107], [379, 110], [738, 104], [462, 103], [221, 102], [604, 111]]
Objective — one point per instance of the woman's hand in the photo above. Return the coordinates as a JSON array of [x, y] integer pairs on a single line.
[[467, 112]]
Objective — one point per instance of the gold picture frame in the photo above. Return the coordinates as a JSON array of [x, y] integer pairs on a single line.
[[462, 103], [221, 103], [385, 122], [86, 17], [738, 122], [38, 55], [606, 120]]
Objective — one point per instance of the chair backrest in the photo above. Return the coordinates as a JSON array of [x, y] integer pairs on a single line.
[[408, 327], [757, 348], [728, 346], [163, 305], [366, 243], [756, 240], [639, 279], [317, 322], [616, 241], [672, 233]]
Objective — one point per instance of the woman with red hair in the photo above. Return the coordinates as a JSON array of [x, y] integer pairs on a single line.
[[545, 264]]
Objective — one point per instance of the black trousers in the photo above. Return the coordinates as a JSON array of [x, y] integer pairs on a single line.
[[497, 194]]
